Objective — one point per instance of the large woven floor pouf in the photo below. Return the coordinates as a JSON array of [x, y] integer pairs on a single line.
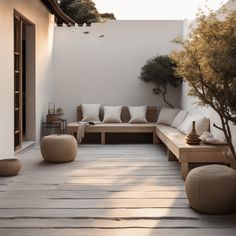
[[58, 148], [212, 189]]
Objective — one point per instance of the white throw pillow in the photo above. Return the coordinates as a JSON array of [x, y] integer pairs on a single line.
[[180, 117], [137, 114], [202, 124], [186, 125], [90, 112], [112, 114], [167, 115]]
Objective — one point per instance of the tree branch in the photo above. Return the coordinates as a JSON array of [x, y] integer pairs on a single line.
[[164, 98], [218, 127]]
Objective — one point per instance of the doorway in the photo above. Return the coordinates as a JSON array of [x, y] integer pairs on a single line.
[[24, 80]]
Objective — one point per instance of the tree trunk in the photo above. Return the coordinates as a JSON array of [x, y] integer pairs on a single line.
[[226, 130], [164, 98]]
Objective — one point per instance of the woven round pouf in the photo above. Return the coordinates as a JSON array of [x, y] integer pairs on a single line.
[[212, 189], [9, 167], [58, 148]]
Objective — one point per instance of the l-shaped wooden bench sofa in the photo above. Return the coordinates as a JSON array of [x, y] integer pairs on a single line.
[[177, 148]]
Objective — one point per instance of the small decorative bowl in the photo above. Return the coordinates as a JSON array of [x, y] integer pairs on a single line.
[[9, 167]]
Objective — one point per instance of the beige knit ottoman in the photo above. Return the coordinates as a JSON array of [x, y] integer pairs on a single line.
[[58, 148], [212, 189]]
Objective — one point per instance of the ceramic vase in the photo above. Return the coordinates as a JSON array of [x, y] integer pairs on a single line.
[[192, 138]]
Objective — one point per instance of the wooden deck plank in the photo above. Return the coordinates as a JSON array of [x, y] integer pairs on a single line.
[[105, 164], [29, 194], [108, 190], [91, 187], [104, 172], [113, 214], [117, 232], [93, 203], [111, 224]]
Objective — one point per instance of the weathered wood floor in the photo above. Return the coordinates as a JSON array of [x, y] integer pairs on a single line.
[[110, 190]]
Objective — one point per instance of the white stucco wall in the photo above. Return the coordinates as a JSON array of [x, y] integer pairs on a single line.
[[35, 11], [231, 4], [92, 69], [189, 103]]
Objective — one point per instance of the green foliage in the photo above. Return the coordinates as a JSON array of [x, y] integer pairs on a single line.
[[105, 16], [159, 71], [208, 63], [83, 11]]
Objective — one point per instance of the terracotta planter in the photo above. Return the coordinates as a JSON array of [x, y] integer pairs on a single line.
[[9, 167]]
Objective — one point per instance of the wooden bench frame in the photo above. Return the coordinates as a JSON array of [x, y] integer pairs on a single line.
[[124, 127], [178, 149]]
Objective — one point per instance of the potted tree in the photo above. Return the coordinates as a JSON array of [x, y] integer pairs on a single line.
[[159, 71], [207, 62]]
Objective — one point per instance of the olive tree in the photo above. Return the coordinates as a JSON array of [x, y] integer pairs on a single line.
[[207, 62]]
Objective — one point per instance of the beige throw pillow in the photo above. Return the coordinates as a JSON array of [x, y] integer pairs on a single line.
[[90, 112], [137, 114], [112, 114], [202, 124], [180, 117], [167, 115]]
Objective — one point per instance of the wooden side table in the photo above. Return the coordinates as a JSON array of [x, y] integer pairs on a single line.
[[56, 127]]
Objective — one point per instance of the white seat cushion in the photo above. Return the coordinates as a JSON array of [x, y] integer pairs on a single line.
[[137, 114]]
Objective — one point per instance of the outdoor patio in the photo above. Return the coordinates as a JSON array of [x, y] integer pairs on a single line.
[[103, 119], [108, 190]]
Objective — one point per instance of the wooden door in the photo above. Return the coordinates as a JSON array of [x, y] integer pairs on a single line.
[[17, 82]]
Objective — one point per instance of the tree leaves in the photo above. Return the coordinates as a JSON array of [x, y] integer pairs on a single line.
[[207, 62], [83, 11], [159, 71]]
